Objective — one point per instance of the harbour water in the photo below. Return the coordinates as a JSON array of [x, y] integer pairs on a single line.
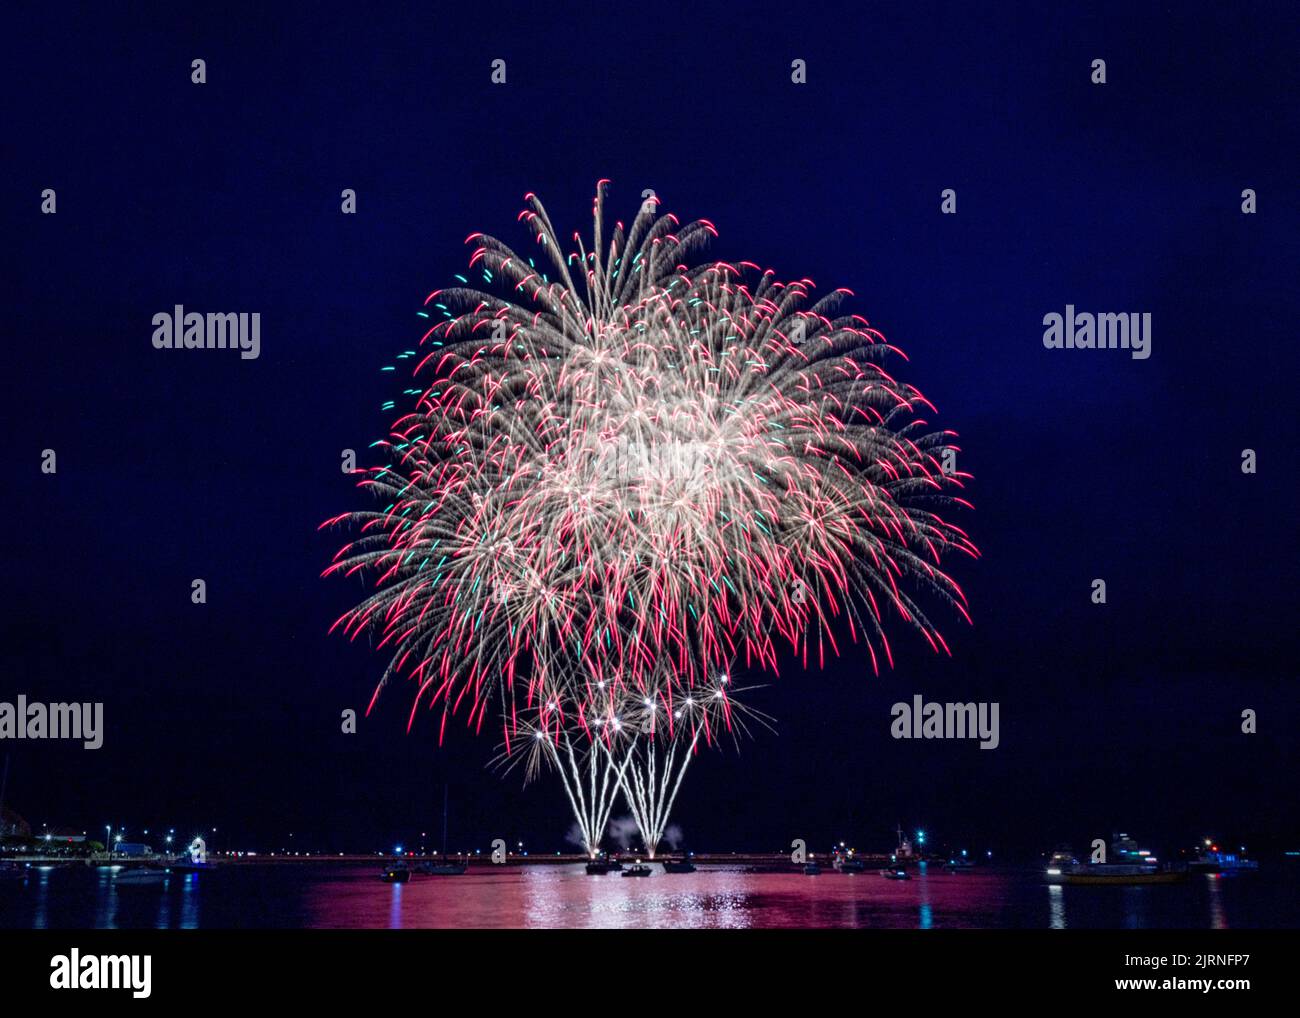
[[541, 896]]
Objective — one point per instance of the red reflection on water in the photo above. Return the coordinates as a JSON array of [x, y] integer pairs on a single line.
[[564, 896]]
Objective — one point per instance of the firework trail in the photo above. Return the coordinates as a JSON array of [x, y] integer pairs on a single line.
[[621, 468], [660, 758], [614, 740]]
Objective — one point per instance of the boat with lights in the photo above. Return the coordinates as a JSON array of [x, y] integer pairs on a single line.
[[1212, 859], [396, 873], [1128, 865]]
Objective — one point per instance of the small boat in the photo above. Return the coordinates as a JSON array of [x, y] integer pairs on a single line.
[[397, 873], [1062, 862], [958, 866], [846, 862], [603, 863], [811, 869], [638, 870], [682, 866], [446, 868], [895, 873]]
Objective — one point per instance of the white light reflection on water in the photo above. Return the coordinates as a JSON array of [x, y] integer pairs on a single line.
[[1218, 917], [1055, 907], [395, 906], [42, 908], [561, 897]]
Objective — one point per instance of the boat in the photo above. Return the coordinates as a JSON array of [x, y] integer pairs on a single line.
[[637, 870], [1211, 859], [1062, 861], [897, 868], [603, 863], [1128, 865], [958, 865], [905, 853], [811, 869], [844, 862], [396, 873], [678, 866], [446, 868]]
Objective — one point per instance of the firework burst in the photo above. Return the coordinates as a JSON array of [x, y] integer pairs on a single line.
[[626, 473]]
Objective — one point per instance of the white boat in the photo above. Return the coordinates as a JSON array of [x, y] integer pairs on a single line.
[[1127, 865]]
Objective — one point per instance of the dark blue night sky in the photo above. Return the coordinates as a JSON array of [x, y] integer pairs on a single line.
[[225, 196]]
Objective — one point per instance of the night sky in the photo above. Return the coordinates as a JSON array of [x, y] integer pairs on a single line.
[[1088, 464]]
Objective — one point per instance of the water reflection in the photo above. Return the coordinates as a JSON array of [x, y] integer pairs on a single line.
[[564, 896], [43, 896], [554, 896], [395, 906], [1134, 907], [1218, 918], [1055, 907]]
